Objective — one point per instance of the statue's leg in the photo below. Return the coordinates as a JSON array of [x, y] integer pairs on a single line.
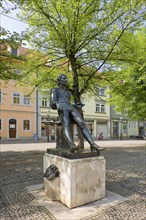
[[80, 122], [67, 131]]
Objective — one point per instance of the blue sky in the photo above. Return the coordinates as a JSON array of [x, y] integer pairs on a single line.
[[9, 23]]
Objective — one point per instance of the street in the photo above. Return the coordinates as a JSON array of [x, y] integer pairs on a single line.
[[43, 145], [22, 166]]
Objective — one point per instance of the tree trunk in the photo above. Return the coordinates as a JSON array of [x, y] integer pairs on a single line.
[[80, 136], [76, 96], [80, 139]]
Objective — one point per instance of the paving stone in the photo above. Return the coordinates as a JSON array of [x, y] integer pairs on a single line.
[[125, 176]]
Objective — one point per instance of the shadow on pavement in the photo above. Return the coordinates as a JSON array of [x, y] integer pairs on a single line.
[[125, 175]]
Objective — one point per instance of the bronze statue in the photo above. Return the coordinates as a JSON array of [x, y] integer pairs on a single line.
[[60, 100]]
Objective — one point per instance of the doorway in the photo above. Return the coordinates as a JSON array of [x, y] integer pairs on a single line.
[[115, 129], [12, 128], [101, 128]]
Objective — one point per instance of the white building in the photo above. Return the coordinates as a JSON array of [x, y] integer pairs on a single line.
[[96, 115]]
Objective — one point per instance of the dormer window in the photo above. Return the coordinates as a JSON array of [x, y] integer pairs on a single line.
[[101, 91], [14, 51]]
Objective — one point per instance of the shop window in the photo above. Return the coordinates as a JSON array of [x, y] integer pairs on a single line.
[[125, 127], [26, 125]]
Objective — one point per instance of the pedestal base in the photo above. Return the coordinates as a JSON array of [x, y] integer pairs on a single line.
[[80, 181]]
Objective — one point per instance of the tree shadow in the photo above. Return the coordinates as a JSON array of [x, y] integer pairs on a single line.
[[125, 171]]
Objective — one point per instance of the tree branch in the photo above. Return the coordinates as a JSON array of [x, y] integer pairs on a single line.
[[89, 78]]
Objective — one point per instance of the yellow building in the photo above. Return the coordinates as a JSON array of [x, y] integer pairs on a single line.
[[25, 117], [17, 112]]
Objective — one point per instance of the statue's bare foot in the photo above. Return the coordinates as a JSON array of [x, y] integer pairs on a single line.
[[97, 148], [74, 148]]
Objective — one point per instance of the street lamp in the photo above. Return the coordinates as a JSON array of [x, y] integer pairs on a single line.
[[47, 130], [121, 133]]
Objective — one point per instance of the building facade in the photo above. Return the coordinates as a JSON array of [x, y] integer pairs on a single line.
[[18, 112], [96, 115], [18, 109], [30, 117], [121, 126]]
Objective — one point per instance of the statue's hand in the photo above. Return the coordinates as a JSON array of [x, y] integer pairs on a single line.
[[78, 105], [53, 106]]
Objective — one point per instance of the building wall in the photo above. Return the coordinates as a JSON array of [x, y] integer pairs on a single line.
[[101, 120], [133, 128], [97, 122], [122, 126], [19, 112]]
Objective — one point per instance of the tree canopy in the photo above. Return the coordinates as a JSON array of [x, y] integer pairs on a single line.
[[14, 40], [80, 38], [129, 78]]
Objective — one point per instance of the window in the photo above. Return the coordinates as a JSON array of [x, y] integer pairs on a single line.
[[97, 108], [14, 51], [18, 72], [101, 91], [124, 127], [125, 111], [0, 124], [16, 98], [116, 112], [0, 96], [100, 107], [26, 125], [45, 102], [26, 100], [132, 125]]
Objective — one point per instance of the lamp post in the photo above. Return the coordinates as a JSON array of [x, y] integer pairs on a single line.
[[47, 130], [121, 133]]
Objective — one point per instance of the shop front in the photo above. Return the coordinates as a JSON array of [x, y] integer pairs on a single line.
[[48, 129]]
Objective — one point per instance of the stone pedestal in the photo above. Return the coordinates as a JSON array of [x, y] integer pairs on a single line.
[[80, 181]]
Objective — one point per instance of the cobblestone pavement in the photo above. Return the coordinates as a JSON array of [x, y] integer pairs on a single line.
[[125, 176]]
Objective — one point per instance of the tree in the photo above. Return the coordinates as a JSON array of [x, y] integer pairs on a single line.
[[129, 76], [79, 35], [9, 61]]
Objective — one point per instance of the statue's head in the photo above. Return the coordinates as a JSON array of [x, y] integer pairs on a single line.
[[62, 79]]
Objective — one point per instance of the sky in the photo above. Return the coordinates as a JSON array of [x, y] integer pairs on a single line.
[[11, 21]]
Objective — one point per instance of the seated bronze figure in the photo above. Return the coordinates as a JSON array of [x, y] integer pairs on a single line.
[[60, 100]]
